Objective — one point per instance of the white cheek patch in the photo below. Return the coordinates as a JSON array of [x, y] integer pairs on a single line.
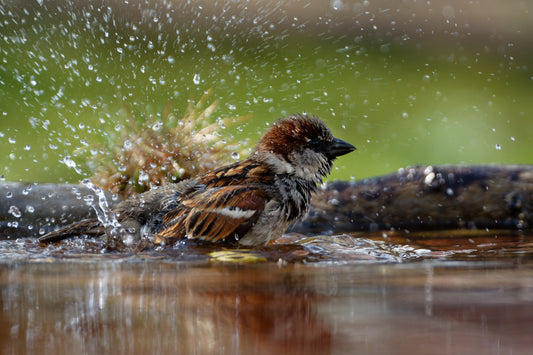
[[308, 164], [234, 212]]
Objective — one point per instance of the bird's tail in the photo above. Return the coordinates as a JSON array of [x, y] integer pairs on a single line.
[[91, 227]]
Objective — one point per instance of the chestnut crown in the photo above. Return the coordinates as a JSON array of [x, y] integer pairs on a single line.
[[301, 144]]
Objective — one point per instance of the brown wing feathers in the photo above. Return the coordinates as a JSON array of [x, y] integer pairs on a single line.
[[206, 215]]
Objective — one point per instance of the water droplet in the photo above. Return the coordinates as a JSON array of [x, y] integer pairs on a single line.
[[405, 115], [235, 155], [448, 12], [71, 164], [129, 239], [429, 178], [15, 211], [12, 140], [26, 190], [143, 176], [196, 79], [157, 126], [30, 209], [498, 147]]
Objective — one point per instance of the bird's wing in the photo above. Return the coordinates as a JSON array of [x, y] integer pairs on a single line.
[[214, 214]]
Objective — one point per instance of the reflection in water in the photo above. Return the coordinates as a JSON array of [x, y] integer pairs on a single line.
[[145, 308], [134, 306]]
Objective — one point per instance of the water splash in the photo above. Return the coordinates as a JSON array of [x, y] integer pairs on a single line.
[[117, 236], [67, 160]]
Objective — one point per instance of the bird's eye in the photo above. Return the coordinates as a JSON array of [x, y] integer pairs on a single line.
[[314, 143]]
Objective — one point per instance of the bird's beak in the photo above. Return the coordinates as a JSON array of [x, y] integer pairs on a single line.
[[339, 147]]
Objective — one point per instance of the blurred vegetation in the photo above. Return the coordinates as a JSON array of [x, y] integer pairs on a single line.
[[402, 95]]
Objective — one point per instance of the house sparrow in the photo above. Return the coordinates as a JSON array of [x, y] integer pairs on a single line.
[[249, 203]]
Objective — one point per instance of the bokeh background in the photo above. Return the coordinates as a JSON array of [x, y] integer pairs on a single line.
[[407, 82]]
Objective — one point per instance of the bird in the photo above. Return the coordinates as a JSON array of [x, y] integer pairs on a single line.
[[248, 203]]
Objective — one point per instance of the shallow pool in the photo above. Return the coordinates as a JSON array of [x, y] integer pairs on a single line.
[[365, 294]]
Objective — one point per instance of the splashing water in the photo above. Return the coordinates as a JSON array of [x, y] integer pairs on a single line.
[[116, 234], [67, 160]]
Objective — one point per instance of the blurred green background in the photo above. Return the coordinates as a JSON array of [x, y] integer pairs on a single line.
[[439, 82]]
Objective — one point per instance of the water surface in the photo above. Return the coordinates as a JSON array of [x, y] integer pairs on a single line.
[[373, 294]]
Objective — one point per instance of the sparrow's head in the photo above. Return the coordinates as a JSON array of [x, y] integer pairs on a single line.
[[301, 145]]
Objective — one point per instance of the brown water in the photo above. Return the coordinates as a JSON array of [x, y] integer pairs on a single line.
[[469, 293]]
